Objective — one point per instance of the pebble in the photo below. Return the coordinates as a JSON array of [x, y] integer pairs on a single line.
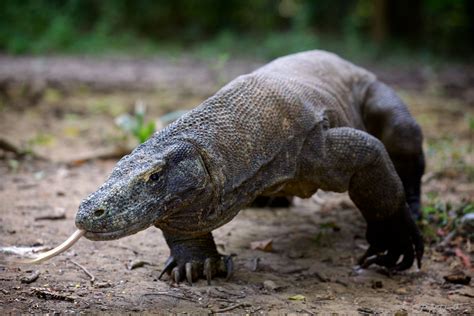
[[467, 224], [270, 285], [401, 291]]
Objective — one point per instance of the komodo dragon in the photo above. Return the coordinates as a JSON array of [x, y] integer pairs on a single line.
[[303, 122]]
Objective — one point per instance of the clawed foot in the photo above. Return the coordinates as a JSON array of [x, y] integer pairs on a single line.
[[195, 257], [222, 266], [390, 240]]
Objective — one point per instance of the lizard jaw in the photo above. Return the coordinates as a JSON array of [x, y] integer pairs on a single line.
[[117, 234]]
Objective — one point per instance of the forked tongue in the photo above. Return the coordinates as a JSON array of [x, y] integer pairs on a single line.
[[59, 249]]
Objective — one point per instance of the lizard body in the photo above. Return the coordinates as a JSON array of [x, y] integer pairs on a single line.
[[303, 122]]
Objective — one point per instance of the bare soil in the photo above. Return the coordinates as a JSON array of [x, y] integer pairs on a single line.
[[316, 242]]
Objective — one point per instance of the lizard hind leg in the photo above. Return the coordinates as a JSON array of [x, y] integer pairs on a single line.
[[359, 162]]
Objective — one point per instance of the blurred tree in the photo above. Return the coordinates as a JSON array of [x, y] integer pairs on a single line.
[[379, 28], [29, 26]]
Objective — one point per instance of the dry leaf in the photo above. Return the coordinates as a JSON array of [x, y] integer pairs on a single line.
[[458, 277], [263, 245]]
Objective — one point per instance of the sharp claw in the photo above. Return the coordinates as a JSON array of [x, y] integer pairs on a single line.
[[391, 259], [369, 253], [169, 264], [229, 265], [407, 262], [175, 275], [419, 249], [189, 274], [208, 270], [417, 240], [387, 260], [418, 260], [369, 261]]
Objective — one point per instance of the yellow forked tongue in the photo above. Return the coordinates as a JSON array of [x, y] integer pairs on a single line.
[[59, 249]]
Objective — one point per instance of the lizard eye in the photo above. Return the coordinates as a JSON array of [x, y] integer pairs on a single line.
[[154, 176], [155, 173]]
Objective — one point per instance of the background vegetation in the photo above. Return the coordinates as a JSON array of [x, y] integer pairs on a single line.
[[263, 28]]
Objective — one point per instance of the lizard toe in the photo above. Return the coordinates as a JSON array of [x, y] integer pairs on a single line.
[[169, 265], [192, 271], [392, 239]]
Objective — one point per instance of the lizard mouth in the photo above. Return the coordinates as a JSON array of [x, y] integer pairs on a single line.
[[116, 234]]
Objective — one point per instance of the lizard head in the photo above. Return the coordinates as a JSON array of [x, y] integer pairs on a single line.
[[147, 187]]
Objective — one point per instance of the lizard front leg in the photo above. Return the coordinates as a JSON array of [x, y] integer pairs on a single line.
[[387, 117], [357, 161], [193, 257]]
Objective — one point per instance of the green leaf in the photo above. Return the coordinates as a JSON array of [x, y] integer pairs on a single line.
[[297, 297]]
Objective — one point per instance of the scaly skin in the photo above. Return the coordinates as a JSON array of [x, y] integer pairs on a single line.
[[304, 122]]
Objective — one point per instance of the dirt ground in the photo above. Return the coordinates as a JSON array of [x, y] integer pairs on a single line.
[[67, 117]]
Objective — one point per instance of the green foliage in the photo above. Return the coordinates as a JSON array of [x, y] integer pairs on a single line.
[[469, 208], [270, 46], [264, 28], [470, 120], [136, 125], [441, 218], [451, 157]]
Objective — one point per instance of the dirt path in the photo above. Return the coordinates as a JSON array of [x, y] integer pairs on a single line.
[[315, 243]]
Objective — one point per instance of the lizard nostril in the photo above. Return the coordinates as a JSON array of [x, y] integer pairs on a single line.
[[99, 213]]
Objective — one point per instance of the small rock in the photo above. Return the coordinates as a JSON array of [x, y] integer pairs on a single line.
[[136, 264], [102, 285], [30, 278], [401, 291], [401, 312], [377, 284], [269, 285], [295, 254], [467, 224]]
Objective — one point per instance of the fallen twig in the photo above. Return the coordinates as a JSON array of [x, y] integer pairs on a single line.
[[256, 310], [307, 311], [172, 295], [341, 282], [116, 153], [366, 311], [229, 308], [49, 295], [429, 176], [61, 214], [7, 146], [235, 295], [445, 242], [90, 275], [18, 152], [319, 277], [465, 260]]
